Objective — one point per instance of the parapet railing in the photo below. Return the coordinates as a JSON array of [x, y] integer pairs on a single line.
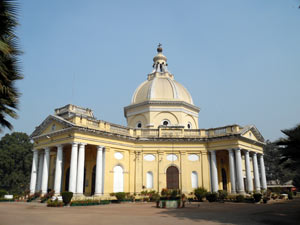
[[169, 132], [160, 132]]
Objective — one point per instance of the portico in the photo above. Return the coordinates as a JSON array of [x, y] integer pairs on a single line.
[[243, 175], [73, 165]]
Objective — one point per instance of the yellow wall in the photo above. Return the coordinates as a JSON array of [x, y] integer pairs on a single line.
[[133, 163]]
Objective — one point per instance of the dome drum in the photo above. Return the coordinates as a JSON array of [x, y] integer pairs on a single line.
[[161, 93]]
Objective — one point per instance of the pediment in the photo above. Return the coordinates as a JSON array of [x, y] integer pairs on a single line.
[[253, 133], [51, 124]]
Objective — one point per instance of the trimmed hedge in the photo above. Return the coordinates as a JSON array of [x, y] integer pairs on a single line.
[[67, 197], [240, 198], [212, 197], [200, 193], [257, 197]]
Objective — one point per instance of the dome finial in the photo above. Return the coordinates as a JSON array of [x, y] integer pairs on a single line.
[[159, 48]]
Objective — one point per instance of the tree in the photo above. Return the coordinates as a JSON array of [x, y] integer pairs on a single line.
[[15, 162], [274, 170], [9, 70], [290, 152]]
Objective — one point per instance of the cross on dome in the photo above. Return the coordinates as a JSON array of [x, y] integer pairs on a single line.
[[160, 61]]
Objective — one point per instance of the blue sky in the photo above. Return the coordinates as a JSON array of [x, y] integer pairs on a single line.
[[238, 58]]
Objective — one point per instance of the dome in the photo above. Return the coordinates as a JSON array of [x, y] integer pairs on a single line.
[[160, 85]]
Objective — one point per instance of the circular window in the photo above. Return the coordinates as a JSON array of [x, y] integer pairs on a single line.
[[139, 125], [189, 125], [193, 157], [171, 157], [118, 155], [149, 157], [165, 122]]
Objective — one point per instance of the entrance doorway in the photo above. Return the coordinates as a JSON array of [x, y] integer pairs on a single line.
[[67, 179], [93, 180], [172, 178], [224, 179]]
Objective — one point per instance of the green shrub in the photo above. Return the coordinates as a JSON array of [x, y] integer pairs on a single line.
[[222, 195], [174, 194], [200, 193], [257, 197], [240, 198], [120, 196], [290, 195], [2, 193], [211, 197], [154, 197], [170, 194], [67, 197], [265, 200], [55, 203]]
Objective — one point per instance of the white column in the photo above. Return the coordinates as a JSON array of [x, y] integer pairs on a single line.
[[80, 169], [46, 171], [58, 169], [232, 171], [34, 171], [214, 171], [255, 170], [263, 172], [40, 171], [239, 171], [73, 168], [248, 172], [99, 171]]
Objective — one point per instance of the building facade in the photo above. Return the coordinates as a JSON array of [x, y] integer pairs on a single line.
[[161, 147]]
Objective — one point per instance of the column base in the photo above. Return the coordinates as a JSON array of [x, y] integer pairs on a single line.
[[241, 192], [98, 194]]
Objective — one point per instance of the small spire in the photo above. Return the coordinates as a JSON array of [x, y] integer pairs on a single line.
[[159, 48]]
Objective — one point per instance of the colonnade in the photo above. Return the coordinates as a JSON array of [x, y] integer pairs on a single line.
[[236, 171], [41, 163]]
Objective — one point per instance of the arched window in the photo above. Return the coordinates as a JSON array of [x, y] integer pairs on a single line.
[[118, 179], [194, 177], [149, 177], [139, 125], [166, 122]]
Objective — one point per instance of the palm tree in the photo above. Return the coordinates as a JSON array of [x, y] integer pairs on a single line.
[[9, 69]]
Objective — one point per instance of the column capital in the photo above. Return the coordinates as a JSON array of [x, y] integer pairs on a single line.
[[82, 144], [60, 146], [34, 150], [100, 147], [74, 143], [212, 151], [47, 150]]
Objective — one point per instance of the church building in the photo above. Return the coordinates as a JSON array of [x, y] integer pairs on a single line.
[[161, 147]]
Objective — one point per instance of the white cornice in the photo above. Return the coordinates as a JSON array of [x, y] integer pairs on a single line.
[[163, 110]]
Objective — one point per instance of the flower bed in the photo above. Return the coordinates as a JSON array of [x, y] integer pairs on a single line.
[[6, 200], [55, 203], [171, 198], [89, 202]]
